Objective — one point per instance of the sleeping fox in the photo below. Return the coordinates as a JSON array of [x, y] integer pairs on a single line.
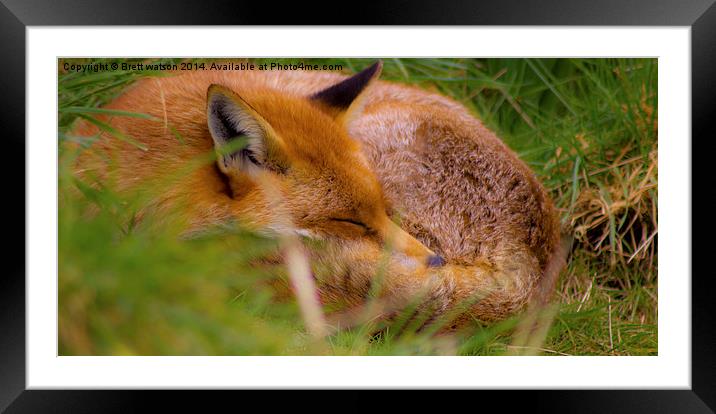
[[355, 162]]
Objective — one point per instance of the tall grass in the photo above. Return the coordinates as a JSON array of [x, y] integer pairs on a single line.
[[587, 127]]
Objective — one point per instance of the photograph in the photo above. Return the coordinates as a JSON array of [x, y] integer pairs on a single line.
[[372, 206]]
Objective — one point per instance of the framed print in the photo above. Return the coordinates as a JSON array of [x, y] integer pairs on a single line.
[[401, 205]]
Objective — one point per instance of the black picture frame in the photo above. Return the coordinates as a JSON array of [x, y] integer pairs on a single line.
[[15, 15]]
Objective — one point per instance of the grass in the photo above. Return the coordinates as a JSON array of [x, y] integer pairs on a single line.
[[587, 127]]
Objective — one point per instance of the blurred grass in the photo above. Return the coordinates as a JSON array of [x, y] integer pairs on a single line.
[[588, 128]]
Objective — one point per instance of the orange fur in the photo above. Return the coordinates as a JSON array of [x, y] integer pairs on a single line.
[[398, 151]]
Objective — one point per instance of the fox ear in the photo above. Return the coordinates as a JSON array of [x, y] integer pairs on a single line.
[[243, 140], [343, 100]]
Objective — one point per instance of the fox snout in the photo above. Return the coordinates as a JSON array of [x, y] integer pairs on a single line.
[[435, 261], [401, 241]]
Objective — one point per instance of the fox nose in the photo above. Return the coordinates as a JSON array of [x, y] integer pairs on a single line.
[[435, 261]]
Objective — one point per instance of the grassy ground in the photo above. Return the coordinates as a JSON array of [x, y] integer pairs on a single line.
[[587, 127]]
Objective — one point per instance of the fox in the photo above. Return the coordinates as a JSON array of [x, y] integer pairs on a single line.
[[356, 162]]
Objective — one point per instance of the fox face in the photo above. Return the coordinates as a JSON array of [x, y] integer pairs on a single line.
[[291, 164]]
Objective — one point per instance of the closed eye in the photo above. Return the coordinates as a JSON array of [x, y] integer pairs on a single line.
[[353, 222]]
